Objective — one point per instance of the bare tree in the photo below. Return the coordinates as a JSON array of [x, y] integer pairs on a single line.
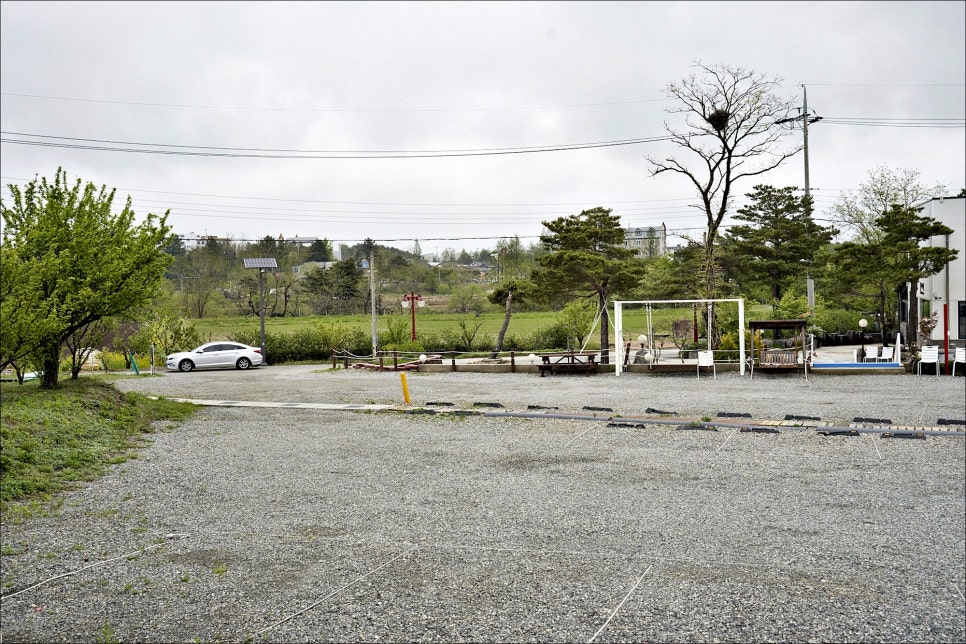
[[730, 115], [859, 212]]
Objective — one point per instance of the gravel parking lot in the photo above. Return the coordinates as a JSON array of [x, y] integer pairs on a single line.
[[307, 525]]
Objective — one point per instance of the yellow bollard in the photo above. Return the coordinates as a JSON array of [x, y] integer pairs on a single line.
[[402, 376]]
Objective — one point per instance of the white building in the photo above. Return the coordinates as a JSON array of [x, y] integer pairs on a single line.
[[647, 241], [302, 270], [946, 290]]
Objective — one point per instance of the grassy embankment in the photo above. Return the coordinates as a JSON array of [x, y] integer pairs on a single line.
[[52, 439]]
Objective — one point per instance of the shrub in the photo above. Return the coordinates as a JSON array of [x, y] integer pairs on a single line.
[[553, 337], [514, 343], [836, 320], [338, 336], [728, 347], [397, 336]]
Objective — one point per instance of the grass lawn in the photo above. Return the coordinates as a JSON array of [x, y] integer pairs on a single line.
[[521, 324], [53, 438]]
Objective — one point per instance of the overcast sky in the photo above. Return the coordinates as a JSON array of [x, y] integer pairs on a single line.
[[345, 77]]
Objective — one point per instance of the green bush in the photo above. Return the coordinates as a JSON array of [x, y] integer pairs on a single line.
[[117, 361], [728, 347], [553, 337], [514, 343], [836, 320]]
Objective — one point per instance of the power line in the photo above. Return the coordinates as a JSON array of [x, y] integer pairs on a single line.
[[105, 145], [338, 110], [887, 84], [377, 203], [896, 122]]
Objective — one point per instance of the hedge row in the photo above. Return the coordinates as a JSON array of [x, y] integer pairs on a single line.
[[318, 344]]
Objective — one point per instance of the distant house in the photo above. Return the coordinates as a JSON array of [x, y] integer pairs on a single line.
[[301, 241], [304, 269], [646, 241], [946, 290], [191, 240]]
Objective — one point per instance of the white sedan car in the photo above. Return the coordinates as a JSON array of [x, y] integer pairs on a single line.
[[216, 355]]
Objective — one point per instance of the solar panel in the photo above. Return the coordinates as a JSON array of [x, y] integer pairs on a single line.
[[261, 262]]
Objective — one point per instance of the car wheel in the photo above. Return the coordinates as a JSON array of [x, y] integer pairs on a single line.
[[243, 363], [186, 365]]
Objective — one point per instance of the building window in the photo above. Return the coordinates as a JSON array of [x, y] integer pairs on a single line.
[[962, 320]]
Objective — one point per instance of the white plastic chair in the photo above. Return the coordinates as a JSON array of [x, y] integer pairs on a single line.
[[930, 355], [706, 359], [960, 356], [886, 355]]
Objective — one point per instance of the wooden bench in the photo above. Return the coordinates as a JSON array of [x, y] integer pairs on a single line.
[[570, 362], [778, 359]]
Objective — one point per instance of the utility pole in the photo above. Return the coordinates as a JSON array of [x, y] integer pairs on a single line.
[[808, 190], [370, 246], [806, 119]]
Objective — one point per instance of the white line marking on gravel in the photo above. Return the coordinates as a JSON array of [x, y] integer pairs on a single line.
[[336, 592], [727, 439], [577, 436], [618, 607], [872, 438], [93, 565], [956, 586]]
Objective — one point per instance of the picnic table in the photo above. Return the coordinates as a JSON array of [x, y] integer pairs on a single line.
[[569, 362]]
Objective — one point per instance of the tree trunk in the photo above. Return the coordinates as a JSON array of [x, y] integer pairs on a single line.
[[710, 276], [51, 365], [604, 328], [506, 323]]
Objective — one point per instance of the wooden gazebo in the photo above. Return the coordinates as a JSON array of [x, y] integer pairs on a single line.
[[779, 358]]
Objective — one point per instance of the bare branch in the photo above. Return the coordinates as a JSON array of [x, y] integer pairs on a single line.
[[729, 132]]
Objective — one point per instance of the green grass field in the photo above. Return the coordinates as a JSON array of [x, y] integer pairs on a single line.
[[521, 324]]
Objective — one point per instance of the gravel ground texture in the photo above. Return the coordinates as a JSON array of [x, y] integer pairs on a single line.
[[289, 524]]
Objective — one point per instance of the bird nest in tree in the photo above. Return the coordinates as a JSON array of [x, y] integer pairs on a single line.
[[718, 119]]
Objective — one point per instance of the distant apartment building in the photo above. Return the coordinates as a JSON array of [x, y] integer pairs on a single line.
[[646, 241], [192, 240]]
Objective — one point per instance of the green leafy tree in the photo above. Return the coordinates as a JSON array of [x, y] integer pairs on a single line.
[[348, 282], [319, 285], [577, 318], [90, 263], [670, 277], [513, 260], [470, 298], [780, 242], [882, 268], [23, 320], [320, 251], [167, 331], [587, 258], [730, 116]]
